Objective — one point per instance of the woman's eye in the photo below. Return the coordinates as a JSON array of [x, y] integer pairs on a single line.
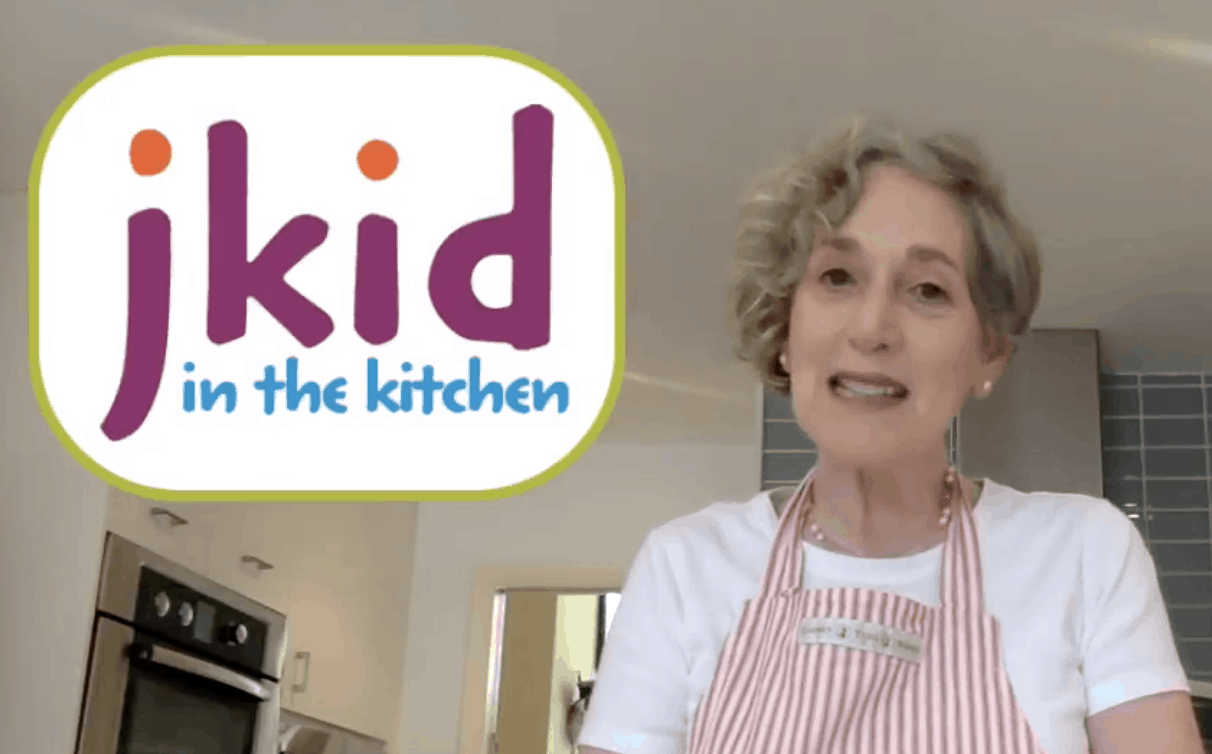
[[932, 294], [836, 278]]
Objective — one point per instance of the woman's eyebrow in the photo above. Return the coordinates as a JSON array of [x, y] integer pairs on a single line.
[[918, 252], [843, 244], [928, 254]]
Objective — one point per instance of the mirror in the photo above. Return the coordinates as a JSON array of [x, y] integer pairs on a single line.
[[546, 647]]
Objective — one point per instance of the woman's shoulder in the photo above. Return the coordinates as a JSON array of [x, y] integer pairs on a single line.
[[1041, 514], [733, 525], [711, 558]]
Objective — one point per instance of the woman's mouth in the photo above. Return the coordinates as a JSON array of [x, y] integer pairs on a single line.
[[871, 390]]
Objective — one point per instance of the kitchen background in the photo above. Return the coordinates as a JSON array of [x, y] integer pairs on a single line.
[[1098, 110]]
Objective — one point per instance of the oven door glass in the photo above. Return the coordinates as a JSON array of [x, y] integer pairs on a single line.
[[170, 711]]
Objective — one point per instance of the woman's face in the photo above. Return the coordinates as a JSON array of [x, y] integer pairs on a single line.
[[884, 340]]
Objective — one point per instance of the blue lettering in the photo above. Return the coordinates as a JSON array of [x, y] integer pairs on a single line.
[[211, 395], [376, 393], [295, 394], [269, 386], [187, 398], [477, 393], [334, 396], [428, 385], [406, 388], [448, 396], [516, 395], [557, 389]]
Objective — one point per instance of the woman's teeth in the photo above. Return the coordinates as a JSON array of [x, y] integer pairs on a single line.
[[868, 391], [860, 389]]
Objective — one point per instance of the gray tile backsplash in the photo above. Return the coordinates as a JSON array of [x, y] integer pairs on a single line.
[[1163, 432], [1179, 493], [1156, 430], [1175, 526], [1120, 402], [1191, 622], [1157, 461], [1184, 590], [1126, 460], [1191, 378], [1119, 433], [1171, 401], [1175, 462], [1182, 557]]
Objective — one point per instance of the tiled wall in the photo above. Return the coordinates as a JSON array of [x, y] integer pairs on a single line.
[[787, 453], [1156, 431]]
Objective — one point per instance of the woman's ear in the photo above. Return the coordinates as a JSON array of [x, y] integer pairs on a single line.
[[995, 357]]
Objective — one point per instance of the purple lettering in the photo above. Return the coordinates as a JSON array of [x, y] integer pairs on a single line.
[[233, 279], [524, 234], [377, 286], [149, 274]]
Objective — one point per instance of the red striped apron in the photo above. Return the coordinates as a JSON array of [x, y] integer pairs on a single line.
[[856, 671]]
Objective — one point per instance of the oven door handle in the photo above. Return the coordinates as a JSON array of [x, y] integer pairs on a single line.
[[171, 658]]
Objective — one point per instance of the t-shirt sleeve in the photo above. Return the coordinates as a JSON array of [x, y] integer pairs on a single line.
[[1128, 650], [638, 705]]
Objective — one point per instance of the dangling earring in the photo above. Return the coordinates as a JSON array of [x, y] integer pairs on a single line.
[[951, 493], [783, 360], [987, 388]]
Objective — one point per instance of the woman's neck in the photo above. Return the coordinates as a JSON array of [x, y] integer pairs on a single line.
[[882, 510]]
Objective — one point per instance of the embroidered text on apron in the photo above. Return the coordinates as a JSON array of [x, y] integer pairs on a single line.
[[856, 671]]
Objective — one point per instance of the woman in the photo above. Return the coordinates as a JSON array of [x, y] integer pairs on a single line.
[[888, 604]]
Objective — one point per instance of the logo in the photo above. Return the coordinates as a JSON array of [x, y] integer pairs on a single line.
[[326, 273]]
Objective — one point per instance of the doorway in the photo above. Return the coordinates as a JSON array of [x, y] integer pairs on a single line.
[[545, 651]]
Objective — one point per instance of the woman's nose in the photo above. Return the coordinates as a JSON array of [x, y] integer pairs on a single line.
[[874, 327]]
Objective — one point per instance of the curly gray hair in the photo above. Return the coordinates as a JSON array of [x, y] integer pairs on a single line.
[[820, 186]]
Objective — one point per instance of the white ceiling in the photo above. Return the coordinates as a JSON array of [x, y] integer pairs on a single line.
[[1104, 139]]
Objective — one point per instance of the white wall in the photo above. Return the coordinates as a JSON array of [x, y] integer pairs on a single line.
[[595, 514], [51, 533]]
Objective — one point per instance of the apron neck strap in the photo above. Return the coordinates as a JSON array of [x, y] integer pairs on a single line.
[[962, 582], [785, 568]]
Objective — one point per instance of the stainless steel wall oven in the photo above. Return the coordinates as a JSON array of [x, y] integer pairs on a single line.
[[179, 664]]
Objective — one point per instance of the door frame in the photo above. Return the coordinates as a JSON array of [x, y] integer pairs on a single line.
[[489, 580]]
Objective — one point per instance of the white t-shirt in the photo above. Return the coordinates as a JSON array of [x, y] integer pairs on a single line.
[[1068, 577]]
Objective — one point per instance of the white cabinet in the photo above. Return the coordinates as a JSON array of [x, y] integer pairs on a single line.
[[339, 572], [181, 534]]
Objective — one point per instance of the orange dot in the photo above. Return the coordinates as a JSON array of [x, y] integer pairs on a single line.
[[150, 152], [377, 160]]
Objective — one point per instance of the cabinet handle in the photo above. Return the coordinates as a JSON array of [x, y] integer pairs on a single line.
[[172, 519], [305, 658], [259, 564]]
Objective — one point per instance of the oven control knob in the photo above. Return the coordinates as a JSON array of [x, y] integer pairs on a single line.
[[186, 613], [235, 635], [162, 604]]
